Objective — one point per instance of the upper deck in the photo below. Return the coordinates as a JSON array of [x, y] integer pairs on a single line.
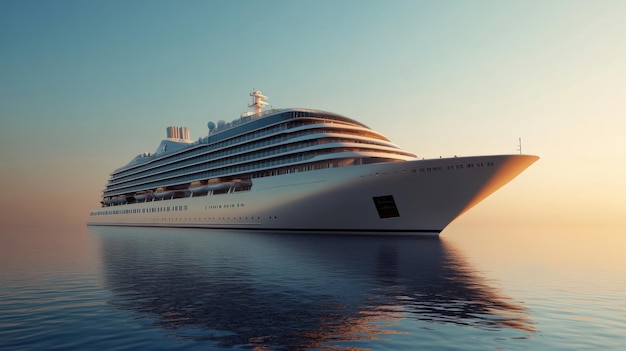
[[239, 126]]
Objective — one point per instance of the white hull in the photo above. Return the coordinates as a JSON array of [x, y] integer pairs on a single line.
[[428, 195]]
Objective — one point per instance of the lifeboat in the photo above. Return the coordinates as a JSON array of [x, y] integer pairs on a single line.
[[161, 193], [115, 200], [220, 186], [142, 195], [198, 187], [212, 185]]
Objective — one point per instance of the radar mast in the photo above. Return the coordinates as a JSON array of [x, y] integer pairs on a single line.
[[257, 102]]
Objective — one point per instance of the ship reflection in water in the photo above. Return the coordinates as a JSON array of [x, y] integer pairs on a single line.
[[286, 291]]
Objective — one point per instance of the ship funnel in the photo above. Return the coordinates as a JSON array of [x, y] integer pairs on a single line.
[[178, 133], [183, 133], [172, 132], [257, 101]]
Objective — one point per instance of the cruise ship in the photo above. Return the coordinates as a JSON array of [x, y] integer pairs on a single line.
[[297, 170]]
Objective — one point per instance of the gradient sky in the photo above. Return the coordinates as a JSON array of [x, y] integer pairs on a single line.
[[87, 85]]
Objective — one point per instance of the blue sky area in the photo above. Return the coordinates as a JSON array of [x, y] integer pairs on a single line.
[[87, 85]]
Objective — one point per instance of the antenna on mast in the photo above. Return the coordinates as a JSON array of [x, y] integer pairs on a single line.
[[519, 146]]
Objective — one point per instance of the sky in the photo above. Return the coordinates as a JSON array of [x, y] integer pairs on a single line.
[[87, 85]]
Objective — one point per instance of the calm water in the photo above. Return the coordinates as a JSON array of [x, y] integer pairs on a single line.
[[121, 289]]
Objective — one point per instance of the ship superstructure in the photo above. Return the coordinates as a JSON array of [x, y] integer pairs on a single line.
[[299, 170]]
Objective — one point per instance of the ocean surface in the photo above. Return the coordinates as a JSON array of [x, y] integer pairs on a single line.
[[97, 288]]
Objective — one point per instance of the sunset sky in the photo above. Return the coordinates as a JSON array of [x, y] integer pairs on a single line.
[[87, 85]]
